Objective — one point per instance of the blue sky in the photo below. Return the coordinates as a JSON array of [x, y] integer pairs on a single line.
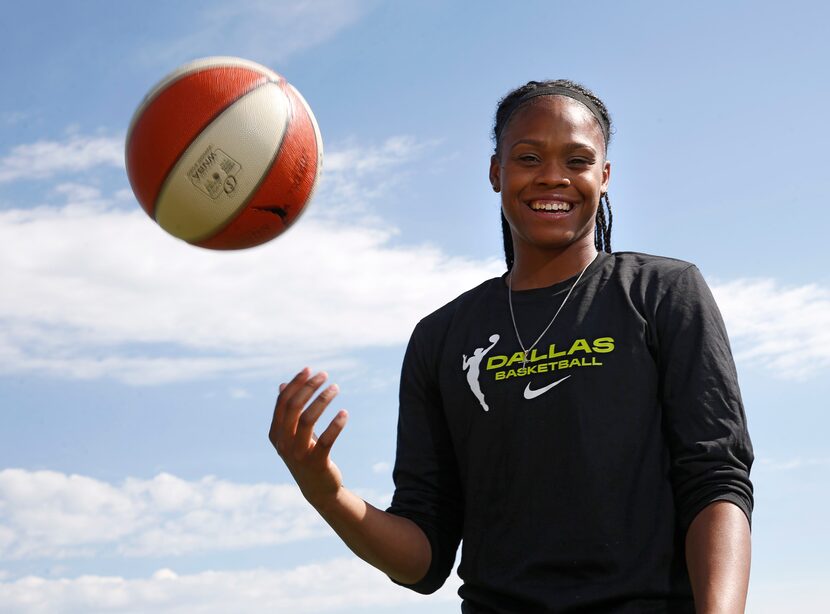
[[137, 373]]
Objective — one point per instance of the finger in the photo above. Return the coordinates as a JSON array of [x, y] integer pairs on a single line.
[[297, 401], [307, 420], [326, 440], [282, 399], [273, 431], [296, 383]]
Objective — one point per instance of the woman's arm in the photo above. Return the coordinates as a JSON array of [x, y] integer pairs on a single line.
[[710, 447], [718, 556], [395, 545]]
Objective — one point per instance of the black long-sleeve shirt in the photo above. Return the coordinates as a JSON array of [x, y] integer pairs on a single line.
[[573, 478]]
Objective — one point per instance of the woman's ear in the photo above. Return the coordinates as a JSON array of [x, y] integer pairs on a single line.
[[606, 176], [495, 173]]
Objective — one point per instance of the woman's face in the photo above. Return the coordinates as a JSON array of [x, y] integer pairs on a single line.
[[551, 171]]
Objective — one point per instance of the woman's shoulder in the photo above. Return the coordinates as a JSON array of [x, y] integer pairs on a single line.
[[649, 263], [659, 284], [637, 268]]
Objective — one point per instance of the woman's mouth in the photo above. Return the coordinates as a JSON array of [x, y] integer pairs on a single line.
[[550, 206]]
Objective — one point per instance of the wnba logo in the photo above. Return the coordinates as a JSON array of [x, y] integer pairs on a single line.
[[473, 367]]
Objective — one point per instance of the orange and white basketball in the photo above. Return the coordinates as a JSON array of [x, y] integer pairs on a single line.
[[223, 153]]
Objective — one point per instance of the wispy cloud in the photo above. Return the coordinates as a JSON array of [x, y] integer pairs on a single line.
[[381, 467], [358, 174], [48, 514], [337, 585], [102, 291], [267, 30], [239, 393], [783, 329], [45, 159], [790, 464], [354, 159], [12, 118], [789, 591]]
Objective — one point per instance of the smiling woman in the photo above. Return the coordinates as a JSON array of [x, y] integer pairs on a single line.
[[526, 160], [576, 422]]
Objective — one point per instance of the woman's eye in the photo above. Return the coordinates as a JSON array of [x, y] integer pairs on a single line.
[[528, 158]]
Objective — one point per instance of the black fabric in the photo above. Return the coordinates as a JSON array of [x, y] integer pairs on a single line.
[[577, 499]]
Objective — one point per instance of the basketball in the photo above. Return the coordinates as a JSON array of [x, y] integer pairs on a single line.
[[223, 153]]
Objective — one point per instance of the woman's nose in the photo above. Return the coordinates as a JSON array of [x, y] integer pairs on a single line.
[[552, 174]]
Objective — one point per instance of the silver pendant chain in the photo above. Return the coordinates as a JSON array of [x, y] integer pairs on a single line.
[[513, 316]]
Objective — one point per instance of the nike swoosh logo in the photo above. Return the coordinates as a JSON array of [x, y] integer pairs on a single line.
[[532, 394]]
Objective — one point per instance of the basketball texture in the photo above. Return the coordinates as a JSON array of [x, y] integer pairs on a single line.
[[223, 153]]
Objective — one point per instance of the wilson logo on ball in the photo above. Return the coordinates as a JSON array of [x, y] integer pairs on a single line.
[[224, 153], [215, 173]]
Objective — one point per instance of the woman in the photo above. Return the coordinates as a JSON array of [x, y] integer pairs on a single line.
[[577, 421]]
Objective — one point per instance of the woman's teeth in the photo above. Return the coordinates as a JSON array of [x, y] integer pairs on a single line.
[[541, 206]]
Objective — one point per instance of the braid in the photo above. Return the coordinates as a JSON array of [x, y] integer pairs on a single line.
[[507, 238], [602, 232], [600, 228], [607, 237], [505, 109]]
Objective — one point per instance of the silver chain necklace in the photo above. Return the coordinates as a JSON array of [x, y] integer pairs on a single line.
[[527, 351]]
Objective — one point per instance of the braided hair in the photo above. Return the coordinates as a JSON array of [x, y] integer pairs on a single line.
[[506, 108]]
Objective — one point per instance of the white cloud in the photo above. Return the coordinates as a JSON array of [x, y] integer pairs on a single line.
[[77, 153], [785, 330], [339, 585], [789, 464], [98, 290], [381, 467], [48, 514], [773, 595], [101, 291], [353, 159], [239, 393], [355, 175], [268, 30], [12, 118]]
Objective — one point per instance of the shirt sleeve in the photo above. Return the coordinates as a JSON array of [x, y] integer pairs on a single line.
[[427, 486], [703, 415]]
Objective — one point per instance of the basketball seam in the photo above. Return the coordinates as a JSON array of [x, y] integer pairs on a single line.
[[197, 66], [318, 143], [232, 218], [169, 171]]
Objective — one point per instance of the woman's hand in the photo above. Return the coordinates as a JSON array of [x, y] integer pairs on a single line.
[[292, 434], [395, 545]]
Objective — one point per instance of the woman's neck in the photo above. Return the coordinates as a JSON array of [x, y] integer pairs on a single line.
[[542, 268]]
